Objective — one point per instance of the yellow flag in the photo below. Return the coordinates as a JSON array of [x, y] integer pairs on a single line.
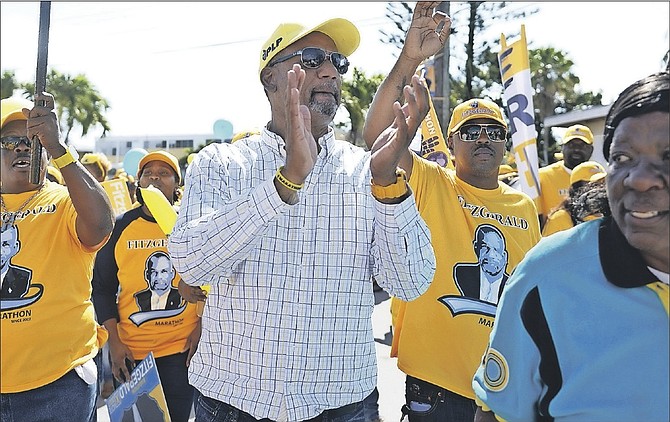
[[433, 145], [161, 209], [518, 97], [117, 191]]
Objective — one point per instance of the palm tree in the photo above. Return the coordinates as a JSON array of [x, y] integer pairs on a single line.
[[78, 102], [552, 79]]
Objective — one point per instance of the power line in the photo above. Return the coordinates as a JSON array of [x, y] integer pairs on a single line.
[[221, 44]]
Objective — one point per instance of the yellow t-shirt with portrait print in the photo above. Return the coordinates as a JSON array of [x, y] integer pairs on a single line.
[[136, 256], [441, 336], [47, 325]]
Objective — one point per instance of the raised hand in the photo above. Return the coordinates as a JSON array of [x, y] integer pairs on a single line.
[[301, 151], [422, 40], [391, 146], [43, 123]]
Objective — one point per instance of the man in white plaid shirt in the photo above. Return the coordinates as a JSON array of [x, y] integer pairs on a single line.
[[288, 227]]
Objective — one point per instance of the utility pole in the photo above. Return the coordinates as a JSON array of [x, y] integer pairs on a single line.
[[446, 80], [442, 80]]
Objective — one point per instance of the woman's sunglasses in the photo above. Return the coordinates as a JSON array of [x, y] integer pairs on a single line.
[[313, 57], [12, 142], [495, 133]]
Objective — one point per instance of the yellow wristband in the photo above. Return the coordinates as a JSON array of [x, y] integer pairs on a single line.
[[396, 190], [66, 159], [287, 183]]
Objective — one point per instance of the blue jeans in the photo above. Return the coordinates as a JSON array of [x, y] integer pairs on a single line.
[[435, 404], [67, 399], [371, 406], [210, 410]]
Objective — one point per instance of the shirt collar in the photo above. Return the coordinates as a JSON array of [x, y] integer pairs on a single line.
[[273, 140], [622, 264]]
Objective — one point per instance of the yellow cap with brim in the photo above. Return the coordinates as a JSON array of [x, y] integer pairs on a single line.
[[12, 109], [56, 174], [578, 132], [341, 31], [163, 156], [588, 171], [97, 158], [476, 108]]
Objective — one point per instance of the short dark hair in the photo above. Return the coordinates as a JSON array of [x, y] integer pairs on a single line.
[[644, 96]]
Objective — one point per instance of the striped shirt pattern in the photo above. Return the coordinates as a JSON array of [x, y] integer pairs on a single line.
[[287, 324]]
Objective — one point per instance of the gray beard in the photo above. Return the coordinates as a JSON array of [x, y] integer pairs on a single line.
[[327, 108]]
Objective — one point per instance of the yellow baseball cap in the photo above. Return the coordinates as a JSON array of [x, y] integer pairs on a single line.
[[341, 31], [476, 108], [588, 171], [578, 132], [97, 158], [163, 156], [12, 109]]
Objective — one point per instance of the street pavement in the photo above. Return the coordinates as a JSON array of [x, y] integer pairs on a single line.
[[390, 380]]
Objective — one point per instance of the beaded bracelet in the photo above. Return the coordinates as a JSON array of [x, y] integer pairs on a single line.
[[287, 183]]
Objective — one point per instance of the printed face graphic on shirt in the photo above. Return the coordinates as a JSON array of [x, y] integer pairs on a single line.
[[480, 283], [15, 280], [10, 244], [490, 248], [159, 272], [160, 300]]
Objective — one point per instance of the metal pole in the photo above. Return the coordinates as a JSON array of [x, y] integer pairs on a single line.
[[40, 85]]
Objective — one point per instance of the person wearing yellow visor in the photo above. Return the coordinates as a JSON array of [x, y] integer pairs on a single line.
[[97, 164]]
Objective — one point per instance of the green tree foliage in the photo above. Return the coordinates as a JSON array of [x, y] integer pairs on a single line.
[[472, 41], [78, 102], [400, 14], [357, 95], [8, 84], [555, 90], [475, 44], [480, 18]]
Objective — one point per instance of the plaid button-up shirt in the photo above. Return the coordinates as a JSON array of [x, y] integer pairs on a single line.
[[287, 324]]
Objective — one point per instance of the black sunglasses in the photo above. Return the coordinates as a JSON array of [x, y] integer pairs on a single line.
[[495, 133], [12, 142], [313, 57]]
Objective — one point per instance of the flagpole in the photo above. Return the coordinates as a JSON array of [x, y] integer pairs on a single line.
[[40, 85]]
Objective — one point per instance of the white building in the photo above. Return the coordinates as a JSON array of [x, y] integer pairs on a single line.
[[115, 147]]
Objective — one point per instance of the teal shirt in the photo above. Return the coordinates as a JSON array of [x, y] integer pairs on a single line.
[[578, 335]]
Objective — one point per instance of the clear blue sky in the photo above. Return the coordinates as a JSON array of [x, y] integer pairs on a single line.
[[177, 67]]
